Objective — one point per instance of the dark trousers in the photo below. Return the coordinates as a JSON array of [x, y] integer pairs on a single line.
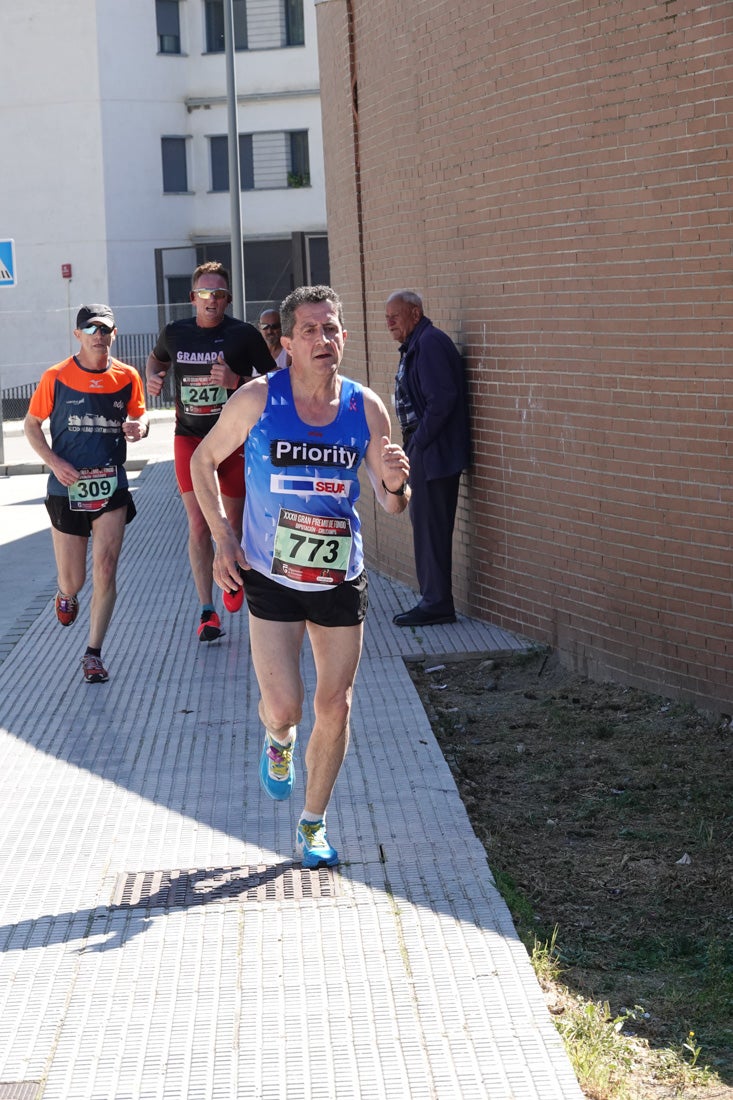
[[433, 513]]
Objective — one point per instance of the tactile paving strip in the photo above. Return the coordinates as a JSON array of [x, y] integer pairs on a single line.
[[411, 984], [202, 886]]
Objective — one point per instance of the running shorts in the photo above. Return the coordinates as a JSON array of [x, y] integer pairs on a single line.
[[344, 604], [230, 472], [80, 523]]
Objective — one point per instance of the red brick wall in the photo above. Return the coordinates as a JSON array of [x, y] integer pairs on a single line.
[[554, 178]]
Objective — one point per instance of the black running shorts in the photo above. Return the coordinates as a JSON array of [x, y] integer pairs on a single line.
[[80, 523], [343, 605]]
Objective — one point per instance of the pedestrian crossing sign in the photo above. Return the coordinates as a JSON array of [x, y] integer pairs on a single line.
[[7, 263]]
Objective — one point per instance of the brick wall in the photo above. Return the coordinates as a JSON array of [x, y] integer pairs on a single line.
[[554, 178]]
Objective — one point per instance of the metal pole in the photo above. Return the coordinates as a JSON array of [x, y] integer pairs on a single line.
[[235, 187]]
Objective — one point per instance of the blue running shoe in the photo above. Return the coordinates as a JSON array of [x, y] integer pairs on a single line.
[[277, 774], [312, 845]]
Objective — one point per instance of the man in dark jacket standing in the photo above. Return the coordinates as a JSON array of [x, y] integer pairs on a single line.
[[431, 406]]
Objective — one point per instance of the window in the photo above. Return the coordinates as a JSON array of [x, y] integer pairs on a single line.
[[178, 300], [168, 26], [268, 269], [175, 174], [294, 28], [268, 25], [310, 259], [219, 152], [268, 160], [246, 162], [219, 156], [299, 171], [215, 25], [319, 272]]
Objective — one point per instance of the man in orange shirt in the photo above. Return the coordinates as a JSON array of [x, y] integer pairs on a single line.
[[96, 406]]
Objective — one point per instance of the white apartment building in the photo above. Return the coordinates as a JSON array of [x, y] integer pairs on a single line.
[[113, 121]]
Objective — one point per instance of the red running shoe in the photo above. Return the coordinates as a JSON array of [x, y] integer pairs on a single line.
[[93, 669], [234, 600], [67, 608], [210, 627]]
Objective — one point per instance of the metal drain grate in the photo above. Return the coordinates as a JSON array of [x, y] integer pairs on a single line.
[[19, 1090], [202, 886]]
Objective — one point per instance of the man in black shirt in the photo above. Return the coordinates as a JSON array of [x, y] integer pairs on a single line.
[[211, 355]]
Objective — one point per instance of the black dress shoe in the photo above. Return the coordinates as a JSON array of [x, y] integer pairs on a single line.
[[420, 616]]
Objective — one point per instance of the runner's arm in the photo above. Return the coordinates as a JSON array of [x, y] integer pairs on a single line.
[[155, 372], [387, 464], [136, 428], [223, 375], [63, 470]]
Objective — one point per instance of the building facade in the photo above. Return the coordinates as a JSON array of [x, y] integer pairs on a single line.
[[554, 178], [114, 117]]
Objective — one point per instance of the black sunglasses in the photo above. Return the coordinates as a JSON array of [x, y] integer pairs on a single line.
[[104, 329]]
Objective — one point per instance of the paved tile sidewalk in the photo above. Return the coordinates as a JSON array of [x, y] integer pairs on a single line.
[[156, 939]]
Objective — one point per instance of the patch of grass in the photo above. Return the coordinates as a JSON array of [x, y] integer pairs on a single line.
[[606, 816], [602, 1057], [606, 1056], [519, 906]]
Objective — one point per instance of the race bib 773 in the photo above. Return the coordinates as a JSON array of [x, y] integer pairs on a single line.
[[312, 549]]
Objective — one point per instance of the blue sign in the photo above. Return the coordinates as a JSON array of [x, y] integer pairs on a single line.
[[8, 275]]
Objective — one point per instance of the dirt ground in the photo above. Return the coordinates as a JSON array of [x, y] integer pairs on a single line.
[[607, 814]]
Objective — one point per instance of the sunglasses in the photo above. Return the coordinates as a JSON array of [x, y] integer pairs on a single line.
[[216, 294], [271, 328], [104, 329]]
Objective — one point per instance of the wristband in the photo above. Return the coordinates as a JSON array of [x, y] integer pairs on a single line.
[[395, 492]]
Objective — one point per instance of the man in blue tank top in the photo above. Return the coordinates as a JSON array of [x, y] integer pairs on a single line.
[[306, 430]]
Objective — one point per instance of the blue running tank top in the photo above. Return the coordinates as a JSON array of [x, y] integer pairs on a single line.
[[301, 527]]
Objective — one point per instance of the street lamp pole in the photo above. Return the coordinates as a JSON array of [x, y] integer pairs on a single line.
[[235, 193]]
